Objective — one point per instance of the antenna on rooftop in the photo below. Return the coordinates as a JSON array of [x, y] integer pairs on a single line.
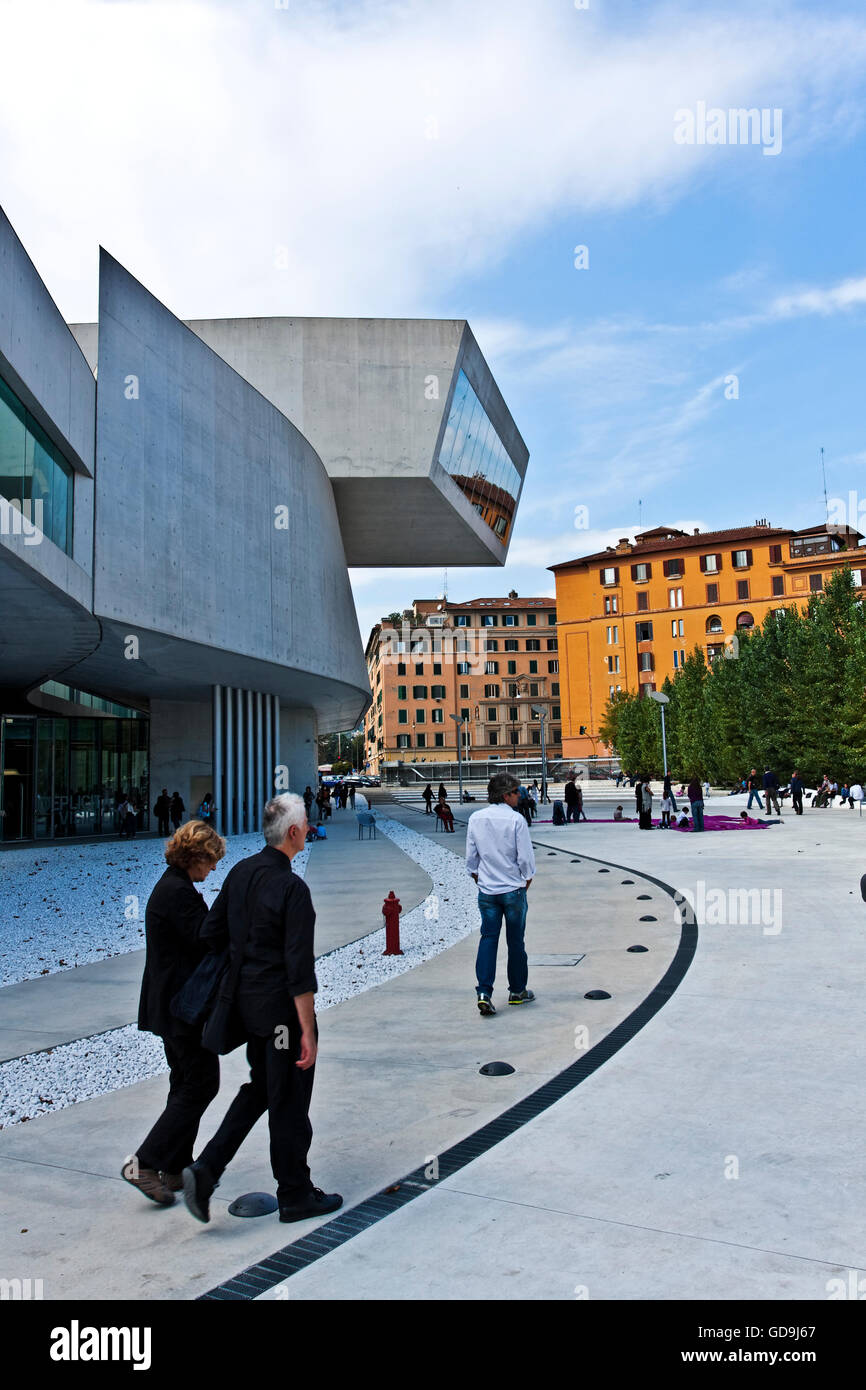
[[445, 586], [824, 476], [639, 511]]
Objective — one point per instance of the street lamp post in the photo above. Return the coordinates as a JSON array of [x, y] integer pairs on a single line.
[[542, 714], [661, 699], [459, 721]]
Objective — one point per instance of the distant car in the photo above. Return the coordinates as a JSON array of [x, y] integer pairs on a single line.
[[371, 781]]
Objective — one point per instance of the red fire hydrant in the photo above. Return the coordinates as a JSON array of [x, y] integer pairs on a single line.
[[391, 910]]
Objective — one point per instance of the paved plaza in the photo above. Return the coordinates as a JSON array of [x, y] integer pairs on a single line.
[[710, 1148]]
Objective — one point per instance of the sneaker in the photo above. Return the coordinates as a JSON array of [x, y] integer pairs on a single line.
[[524, 997], [198, 1186], [485, 1008], [149, 1183], [316, 1203], [173, 1181]]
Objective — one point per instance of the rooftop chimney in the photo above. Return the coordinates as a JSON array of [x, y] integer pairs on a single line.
[[622, 544], [512, 593], [697, 530]]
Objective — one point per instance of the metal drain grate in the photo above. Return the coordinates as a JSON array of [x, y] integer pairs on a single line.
[[260, 1277]]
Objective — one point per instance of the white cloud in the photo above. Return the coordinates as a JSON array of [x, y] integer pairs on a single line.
[[205, 143], [849, 294]]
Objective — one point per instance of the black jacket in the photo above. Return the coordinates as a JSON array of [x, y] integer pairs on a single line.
[[174, 913], [570, 794], [278, 958]]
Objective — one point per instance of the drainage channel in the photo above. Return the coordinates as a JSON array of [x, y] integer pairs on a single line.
[[256, 1279]]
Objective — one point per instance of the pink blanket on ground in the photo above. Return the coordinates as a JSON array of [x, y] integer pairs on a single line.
[[710, 823]]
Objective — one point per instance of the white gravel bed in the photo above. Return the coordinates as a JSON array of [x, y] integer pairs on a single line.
[[44, 1081], [67, 905]]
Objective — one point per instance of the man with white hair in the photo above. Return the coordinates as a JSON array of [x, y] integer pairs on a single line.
[[265, 915]]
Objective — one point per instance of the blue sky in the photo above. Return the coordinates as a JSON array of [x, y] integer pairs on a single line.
[[434, 158]]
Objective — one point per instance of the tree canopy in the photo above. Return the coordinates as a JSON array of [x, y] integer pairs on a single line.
[[791, 693]]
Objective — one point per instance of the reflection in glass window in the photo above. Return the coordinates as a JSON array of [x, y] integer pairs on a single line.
[[34, 475], [478, 461]]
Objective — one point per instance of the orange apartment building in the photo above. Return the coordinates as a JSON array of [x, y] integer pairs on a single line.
[[628, 615], [488, 662]]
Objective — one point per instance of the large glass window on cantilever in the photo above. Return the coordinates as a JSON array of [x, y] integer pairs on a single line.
[[478, 461]]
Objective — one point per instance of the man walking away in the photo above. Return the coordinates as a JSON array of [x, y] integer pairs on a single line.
[[771, 789], [264, 913], [696, 797], [161, 809], [177, 809], [570, 795], [797, 792], [500, 858], [427, 796], [753, 788]]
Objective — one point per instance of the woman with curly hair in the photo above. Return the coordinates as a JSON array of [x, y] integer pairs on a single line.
[[175, 911]]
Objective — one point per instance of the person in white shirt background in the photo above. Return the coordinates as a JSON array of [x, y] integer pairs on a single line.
[[500, 858]]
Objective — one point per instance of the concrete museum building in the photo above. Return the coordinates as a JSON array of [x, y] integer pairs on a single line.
[[178, 506]]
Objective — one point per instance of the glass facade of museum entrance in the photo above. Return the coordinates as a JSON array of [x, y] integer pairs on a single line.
[[64, 777]]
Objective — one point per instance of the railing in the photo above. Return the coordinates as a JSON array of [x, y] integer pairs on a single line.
[[481, 770]]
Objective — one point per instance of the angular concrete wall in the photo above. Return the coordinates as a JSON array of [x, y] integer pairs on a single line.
[[218, 544], [45, 594], [372, 397], [40, 358]]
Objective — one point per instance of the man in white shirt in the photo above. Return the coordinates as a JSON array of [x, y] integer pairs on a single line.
[[500, 857]]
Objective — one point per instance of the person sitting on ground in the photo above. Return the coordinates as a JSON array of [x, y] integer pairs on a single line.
[[445, 814], [683, 818], [617, 815], [821, 797]]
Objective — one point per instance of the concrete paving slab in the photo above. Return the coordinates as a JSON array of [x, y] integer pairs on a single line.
[[348, 879], [398, 1082]]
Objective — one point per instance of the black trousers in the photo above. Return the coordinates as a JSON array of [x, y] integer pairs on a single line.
[[797, 799], [163, 825], [277, 1085], [193, 1083]]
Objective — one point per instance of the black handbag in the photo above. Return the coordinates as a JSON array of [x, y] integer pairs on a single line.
[[197, 996], [224, 1030]]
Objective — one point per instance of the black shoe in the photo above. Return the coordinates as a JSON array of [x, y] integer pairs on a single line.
[[316, 1203], [198, 1186], [485, 1008], [524, 997]]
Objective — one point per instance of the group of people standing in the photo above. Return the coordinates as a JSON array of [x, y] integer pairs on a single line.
[[442, 810], [672, 816]]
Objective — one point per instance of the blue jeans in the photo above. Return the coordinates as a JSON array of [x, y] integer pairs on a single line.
[[756, 795], [698, 814], [493, 907]]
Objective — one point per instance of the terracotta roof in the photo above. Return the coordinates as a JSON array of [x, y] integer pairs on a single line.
[[704, 540]]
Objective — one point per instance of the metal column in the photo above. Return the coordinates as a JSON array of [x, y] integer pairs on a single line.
[[238, 788], [218, 753], [227, 819], [250, 815], [260, 763], [266, 748], [275, 757]]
